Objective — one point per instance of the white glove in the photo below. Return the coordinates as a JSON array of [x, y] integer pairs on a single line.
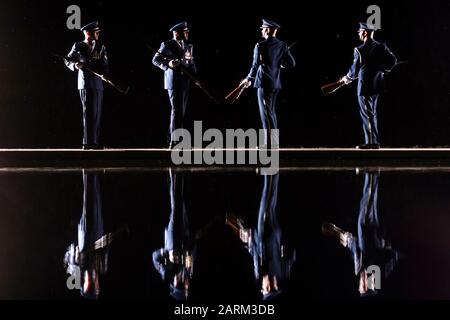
[[346, 80], [246, 83], [174, 63]]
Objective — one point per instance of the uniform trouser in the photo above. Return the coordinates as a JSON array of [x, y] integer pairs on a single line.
[[368, 222], [92, 101], [268, 235], [368, 111], [91, 227], [178, 101], [267, 99], [177, 231], [371, 241], [370, 235]]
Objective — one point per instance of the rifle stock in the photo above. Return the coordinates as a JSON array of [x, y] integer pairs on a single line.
[[332, 87], [234, 95]]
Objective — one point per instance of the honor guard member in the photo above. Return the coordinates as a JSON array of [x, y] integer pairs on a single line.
[[371, 60], [83, 260], [269, 57], [172, 57], [175, 261], [369, 248], [272, 259], [92, 54]]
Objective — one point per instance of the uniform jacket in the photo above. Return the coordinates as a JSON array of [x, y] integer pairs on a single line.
[[173, 49], [95, 57], [371, 61], [269, 57]]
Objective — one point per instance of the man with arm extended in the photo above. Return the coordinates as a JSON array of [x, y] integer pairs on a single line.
[[371, 60], [269, 57]]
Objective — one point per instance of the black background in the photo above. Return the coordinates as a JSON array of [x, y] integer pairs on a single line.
[[39, 104]]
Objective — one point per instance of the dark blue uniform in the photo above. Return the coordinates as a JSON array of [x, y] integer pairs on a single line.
[[176, 82], [270, 256], [370, 247], [90, 262], [90, 86], [371, 242], [268, 58], [371, 61], [170, 261]]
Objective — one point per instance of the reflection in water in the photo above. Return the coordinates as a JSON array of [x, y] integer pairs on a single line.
[[272, 262], [88, 259], [271, 259], [258, 240], [175, 261], [369, 248]]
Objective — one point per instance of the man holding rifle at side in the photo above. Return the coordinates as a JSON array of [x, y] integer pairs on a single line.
[[371, 60], [85, 56], [269, 57]]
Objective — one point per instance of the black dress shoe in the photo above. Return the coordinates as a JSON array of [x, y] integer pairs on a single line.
[[368, 147], [92, 147]]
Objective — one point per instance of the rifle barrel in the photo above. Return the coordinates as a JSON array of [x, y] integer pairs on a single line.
[[101, 76]]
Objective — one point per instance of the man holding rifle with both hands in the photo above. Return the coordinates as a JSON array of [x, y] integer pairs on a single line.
[[173, 57], [85, 56]]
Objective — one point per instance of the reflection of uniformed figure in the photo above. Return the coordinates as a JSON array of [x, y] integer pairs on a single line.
[[269, 57], [173, 54], [175, 261], [272, 260], [369, 248], [371, 60], [92, 54], [89, 257]]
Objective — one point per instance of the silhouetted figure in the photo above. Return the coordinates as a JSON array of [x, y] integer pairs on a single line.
[[370, 63], [271, 258], [171, 56], [269, 57], [175, 261], [92, 54], [88, 259], [369, 248]]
